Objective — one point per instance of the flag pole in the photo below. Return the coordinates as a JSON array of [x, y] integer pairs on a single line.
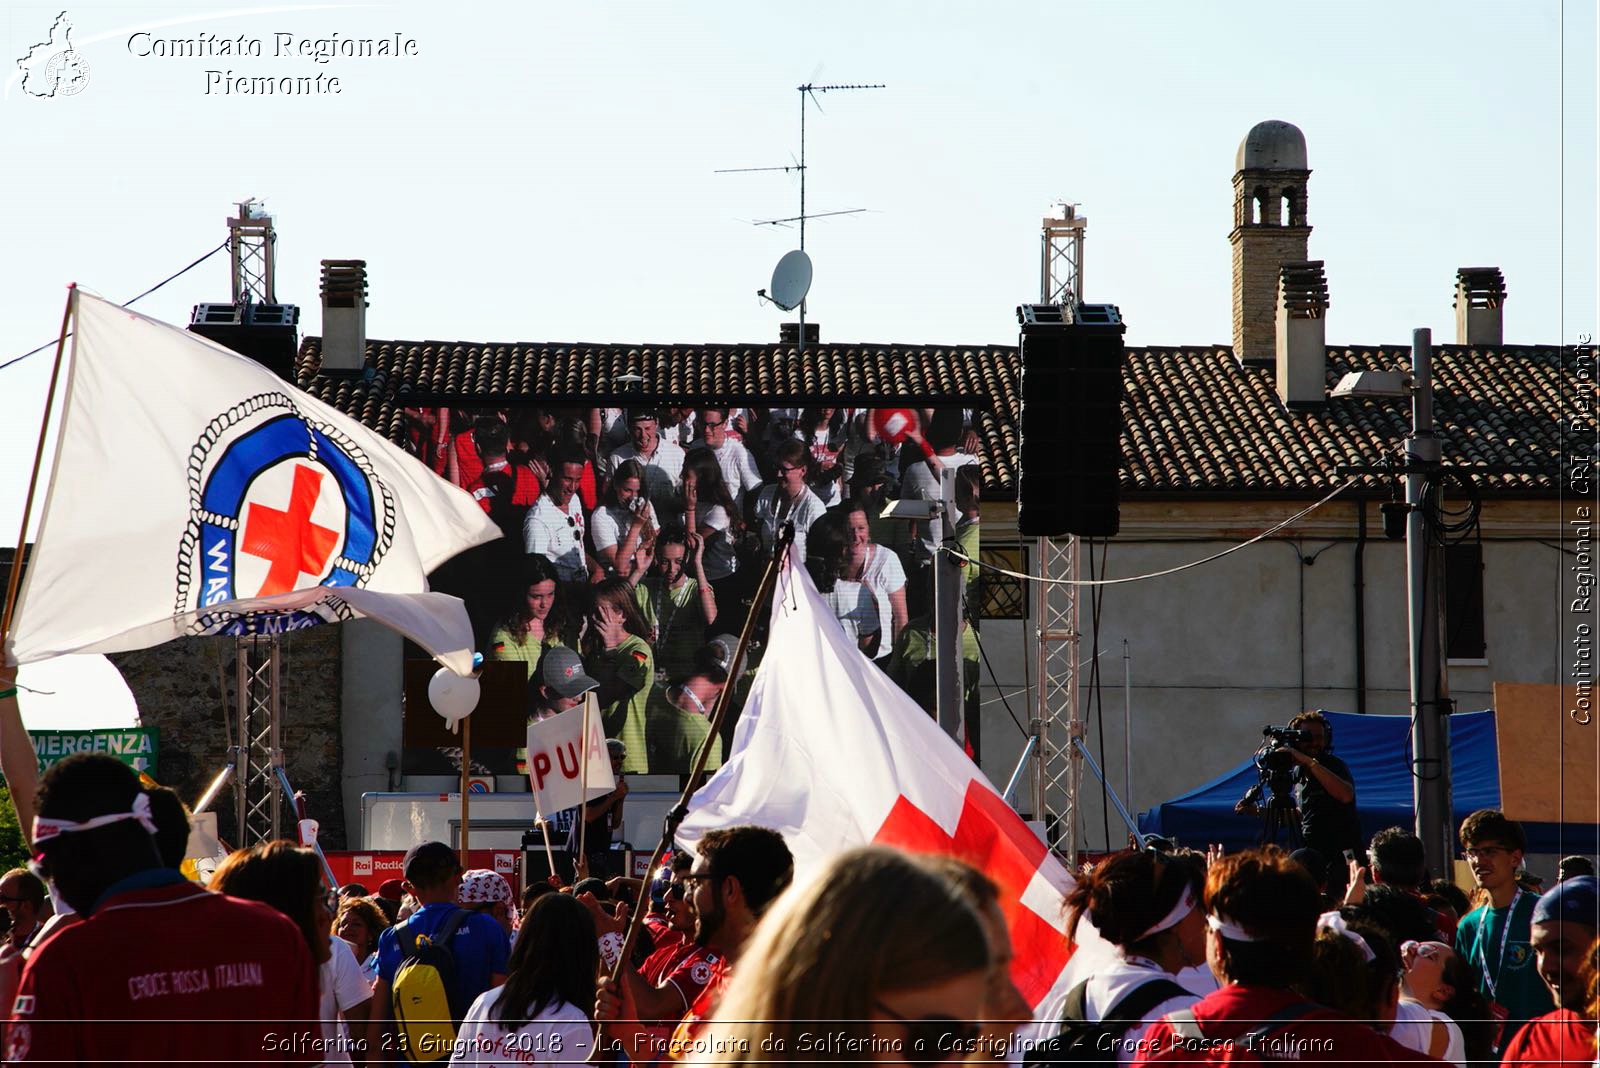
[[669, 828], [466, 784], [580, 863], [17, 760]]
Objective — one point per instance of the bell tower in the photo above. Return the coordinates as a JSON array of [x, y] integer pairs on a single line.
[[1269, 230]]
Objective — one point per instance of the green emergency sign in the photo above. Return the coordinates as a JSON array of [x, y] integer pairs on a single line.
[[136, 747]]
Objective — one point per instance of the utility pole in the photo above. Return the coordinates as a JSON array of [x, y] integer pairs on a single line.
[[947, 613], [1430, 693]]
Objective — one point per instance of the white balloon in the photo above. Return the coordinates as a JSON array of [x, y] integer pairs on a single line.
[[452, 696]]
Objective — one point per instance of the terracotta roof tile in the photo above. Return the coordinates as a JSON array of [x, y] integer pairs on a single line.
[[1195, 419]]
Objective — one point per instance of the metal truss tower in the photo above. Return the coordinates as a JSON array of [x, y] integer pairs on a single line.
[[257, 753], [1057, 721], [254, 244]]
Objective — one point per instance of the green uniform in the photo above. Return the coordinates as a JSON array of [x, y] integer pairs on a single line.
[[626, 675], [506, 644], [675, 736], [678, 621]]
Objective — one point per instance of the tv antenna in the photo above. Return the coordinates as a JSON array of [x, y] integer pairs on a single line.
[[788, 268]]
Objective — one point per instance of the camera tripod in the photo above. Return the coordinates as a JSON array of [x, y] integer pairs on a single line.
[[1280, 819]]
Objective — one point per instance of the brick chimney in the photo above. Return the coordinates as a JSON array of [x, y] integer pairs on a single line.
[[1302, 334], [344, 317], [1480, 292], [1269, 230]]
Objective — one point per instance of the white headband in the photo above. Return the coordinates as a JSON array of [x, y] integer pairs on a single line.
[[1184, 906], [1332, 921], [45, 829], [1228, 929]]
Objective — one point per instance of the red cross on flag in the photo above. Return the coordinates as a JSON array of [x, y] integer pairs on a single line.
[[196, 492], [832, 754]]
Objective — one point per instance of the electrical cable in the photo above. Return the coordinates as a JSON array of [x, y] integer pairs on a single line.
[[126, 303], [1156, 574]]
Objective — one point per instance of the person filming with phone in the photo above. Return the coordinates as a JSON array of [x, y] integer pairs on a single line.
[[1325, 795]]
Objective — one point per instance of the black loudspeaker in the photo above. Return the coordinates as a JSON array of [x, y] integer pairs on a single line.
[[1070, 424]]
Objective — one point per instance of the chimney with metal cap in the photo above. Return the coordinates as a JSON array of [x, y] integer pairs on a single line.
[[344, 317], [1480, 294], [1302, 333]]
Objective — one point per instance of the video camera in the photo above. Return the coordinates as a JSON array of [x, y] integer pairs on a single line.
[[1274, 755]]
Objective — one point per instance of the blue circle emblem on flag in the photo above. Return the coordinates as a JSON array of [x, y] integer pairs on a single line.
[[278, 502]]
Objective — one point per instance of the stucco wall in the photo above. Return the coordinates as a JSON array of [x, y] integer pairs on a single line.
[[1221, 650]]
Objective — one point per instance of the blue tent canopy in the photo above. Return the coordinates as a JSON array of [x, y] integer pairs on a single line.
[[1378, 751]]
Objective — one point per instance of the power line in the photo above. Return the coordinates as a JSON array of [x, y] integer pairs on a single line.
[[1154, 574], [126, 303]]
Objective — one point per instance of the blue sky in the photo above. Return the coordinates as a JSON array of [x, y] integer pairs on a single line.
[[545, 171]]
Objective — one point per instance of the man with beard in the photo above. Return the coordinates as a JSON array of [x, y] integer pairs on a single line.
[[736, 874]]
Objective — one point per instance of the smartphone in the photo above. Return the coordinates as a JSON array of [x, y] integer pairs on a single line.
[[1349, 856]]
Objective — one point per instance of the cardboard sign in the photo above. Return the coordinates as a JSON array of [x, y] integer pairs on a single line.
[[555, 748], [1549, 755]]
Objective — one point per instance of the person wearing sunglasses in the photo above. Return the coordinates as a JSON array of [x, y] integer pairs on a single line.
[[1497, 937], [878, 957]]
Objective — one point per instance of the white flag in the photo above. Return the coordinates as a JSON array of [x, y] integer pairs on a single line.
[[555, 761], [189, 478], [831, 754]]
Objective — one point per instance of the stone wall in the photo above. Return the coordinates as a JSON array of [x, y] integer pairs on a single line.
[[180, 687]]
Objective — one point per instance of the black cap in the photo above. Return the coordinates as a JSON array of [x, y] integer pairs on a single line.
[[428, 854], [638, 415]]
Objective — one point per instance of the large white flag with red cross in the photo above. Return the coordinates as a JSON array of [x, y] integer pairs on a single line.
[[832, 754], [196, 492]]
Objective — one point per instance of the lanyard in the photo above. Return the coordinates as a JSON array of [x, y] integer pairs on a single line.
[[686, 692], [1500, 959]]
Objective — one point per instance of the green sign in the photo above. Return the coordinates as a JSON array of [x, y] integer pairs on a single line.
[[136, 747]]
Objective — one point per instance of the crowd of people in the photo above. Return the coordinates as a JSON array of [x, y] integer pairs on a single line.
[[115, 956], [643, 533]]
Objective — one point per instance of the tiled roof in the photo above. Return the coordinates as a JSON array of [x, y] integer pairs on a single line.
[[1195, 419]]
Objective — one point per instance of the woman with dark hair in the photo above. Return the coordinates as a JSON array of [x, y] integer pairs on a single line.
[[1147, 906], [623, 521], [537, 621], [789, 499], [541, 1014], [289, 878], [359, 922], [821, 430], [878, 568], [616, 651], [676, 601], [709, 511], [1437, 979], [852, 603]]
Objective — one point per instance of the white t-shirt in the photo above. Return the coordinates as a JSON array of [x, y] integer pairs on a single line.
[[807, 510], [884, 575], [663, 472], [739, 472], [1413, 1029], [607, 524], [561, 1034], [343, 986], [853, 606], [720, 559], [557, 536], [1109, 985]]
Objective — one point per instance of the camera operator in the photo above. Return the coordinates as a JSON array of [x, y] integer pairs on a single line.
[[1325, 794]]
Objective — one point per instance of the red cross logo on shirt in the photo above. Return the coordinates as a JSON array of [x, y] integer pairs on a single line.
[[993, 839], [289, 539]]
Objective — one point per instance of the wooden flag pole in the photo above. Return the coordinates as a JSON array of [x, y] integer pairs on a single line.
[[580, 863], [17, 760], [669, 827], [466, 782]]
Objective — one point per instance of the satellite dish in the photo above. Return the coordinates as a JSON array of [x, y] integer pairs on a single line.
[[791, 280]]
